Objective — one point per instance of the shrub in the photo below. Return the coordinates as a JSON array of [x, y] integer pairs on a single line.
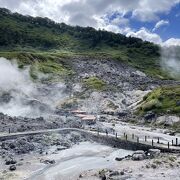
[[154, 103], [95, 83]]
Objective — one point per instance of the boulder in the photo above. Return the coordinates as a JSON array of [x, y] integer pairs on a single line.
[[114, 173], [178, 103], [138, 155], [167, 120], [47, 161], [38, 105], [122, 173], [154, 153], [10, 161], [12, 168], [149, 116], [118, 159], [5, 97], [122, 114]]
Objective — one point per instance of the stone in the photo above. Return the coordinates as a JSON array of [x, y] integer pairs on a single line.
[[10, 161], [139, 152], [149, 116], [154, 153], [103, 177], [153, 166], [119, 159], [167, 120], [122, 173], [121, 114], [138, 155], [12, 145], [178, 103], [172, 133], [12, 168], [48, 161], [114, 173]]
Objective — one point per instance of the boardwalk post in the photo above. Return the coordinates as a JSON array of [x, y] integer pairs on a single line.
[[158, 140], [126, 137], [176, 141], [152, 142], [113, 132], [9, 130], [124, 134], [145, 138], [132, 136], [172, 143], [137, 139], [168, 145], [116, 135], [106, 132]]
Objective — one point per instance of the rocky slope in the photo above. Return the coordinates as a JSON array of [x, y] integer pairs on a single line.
[[97, 86], [54, 69]]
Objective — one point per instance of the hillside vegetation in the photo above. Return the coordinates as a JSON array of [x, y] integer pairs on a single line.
[[19, 34], [162, 100]]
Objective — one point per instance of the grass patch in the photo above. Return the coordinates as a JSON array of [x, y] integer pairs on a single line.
[[162, 100], [94, 83], [51, 69], [52, 64]]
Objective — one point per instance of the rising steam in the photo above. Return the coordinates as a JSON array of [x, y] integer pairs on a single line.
[[170, 61], [20, 96]]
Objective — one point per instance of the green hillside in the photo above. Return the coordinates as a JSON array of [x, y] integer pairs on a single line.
[[19, 34], [162, 100]]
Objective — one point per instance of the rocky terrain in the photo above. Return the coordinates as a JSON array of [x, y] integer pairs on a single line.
[[106, 89], [164, 166], [117, 91]]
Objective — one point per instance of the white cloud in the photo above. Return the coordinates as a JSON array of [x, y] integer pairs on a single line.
[[86, 10], [148, 10], [120, 21], [144, 15], [160, 24], [146, 35], [172, 42]]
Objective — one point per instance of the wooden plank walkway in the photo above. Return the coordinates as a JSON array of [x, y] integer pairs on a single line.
[[124, 141]]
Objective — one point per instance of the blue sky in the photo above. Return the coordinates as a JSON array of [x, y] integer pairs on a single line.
[[165, 31], [157, 21]]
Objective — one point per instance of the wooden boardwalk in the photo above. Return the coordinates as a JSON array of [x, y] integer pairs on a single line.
[[124, 142]]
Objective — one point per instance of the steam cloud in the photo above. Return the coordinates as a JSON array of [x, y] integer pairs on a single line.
[[170, 61], [20, 96]]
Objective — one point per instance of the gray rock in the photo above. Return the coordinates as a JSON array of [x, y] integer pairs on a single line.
[[122, 173], [149, 116], [118, 159], [48, 161], [178, 103], [153, 166], [154, 153], [138, 156], [103, 177], [10, 161], [12, 168], [167, 120], [5, 97], [114, 173]]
